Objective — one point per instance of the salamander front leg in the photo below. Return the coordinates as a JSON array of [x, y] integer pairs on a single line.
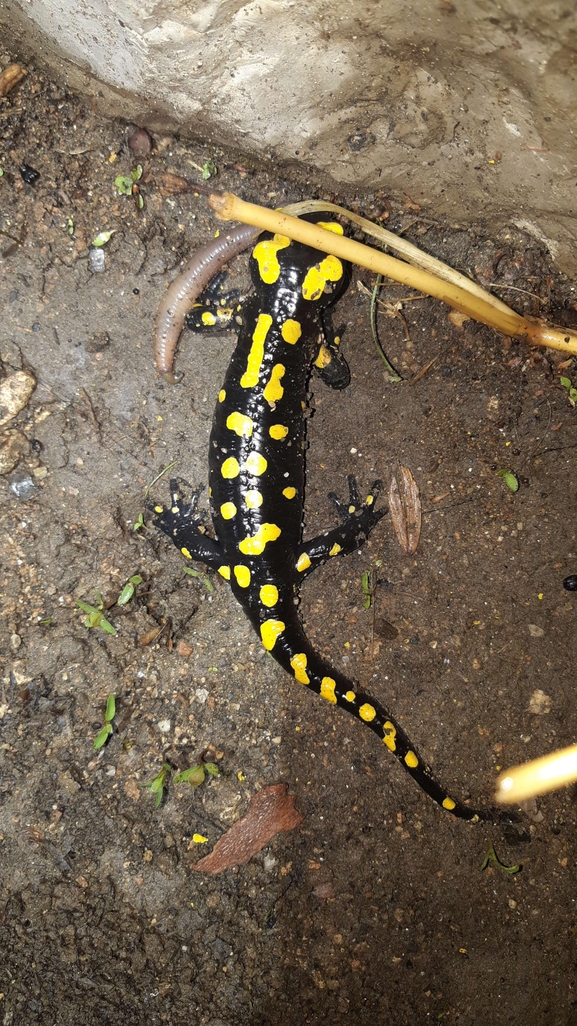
[[359, 518], [183, 525]]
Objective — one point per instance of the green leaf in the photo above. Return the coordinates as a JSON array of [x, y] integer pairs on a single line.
[[193, 776], [209, 168], [125, 595], [86, 607], [110, 709], [493, 857], [136, 175], [103, 237], [128, 590], [566, 382], [212, 768], [103, 736], [124, 184], [106, 626], [509, 479], [138, 523]]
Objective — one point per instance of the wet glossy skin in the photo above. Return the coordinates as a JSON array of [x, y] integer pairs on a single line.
[[256, 467]]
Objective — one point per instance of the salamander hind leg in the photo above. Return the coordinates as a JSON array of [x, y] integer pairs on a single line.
[[358, 518], [184, 526]]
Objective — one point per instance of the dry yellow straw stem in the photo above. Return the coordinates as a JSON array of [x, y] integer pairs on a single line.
[[538, 776], [481, 307]]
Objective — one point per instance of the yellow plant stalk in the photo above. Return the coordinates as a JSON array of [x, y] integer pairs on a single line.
[[476, 304], [538, 777]]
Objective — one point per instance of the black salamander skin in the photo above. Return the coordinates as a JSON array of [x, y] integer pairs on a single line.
[[256, 464]]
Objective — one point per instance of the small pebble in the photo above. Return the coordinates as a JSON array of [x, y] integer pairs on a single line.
[[96, 260], [22, 486], [139, 142]]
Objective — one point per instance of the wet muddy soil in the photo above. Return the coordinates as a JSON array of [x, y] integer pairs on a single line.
[[375, 907]]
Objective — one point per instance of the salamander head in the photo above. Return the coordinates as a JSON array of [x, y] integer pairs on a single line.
[[283, 264]]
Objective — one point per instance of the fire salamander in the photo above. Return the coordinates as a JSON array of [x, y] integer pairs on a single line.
[[256, 467]]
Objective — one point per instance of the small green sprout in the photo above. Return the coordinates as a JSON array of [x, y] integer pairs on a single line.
[[1, 172], [138, 523], [128, 591], [157, 785], [109, 714], [493, 857], [124, 183], [367, 589], [46, 622], [102, 238], [70, 225], [196, 775], [510, 480], [209, 169], [95, 616], [195, 573], [566, 382]]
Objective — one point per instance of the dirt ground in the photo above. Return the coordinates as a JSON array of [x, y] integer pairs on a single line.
[[376, 906]]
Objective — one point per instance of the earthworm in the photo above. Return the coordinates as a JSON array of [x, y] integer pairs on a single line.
[[187, 286]]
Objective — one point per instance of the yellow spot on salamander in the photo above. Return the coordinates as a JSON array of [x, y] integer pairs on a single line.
[[224, 571], [289, 493], [255, 545], [269, 632], [253, 498], [411, 760], [222, 395], [273, 390], [390, 733], [332, 226], [228, 510], [240, 423], [367, 712], [448, 803], [186, 553], [269, 595], [291, 331], [335, 549], [159, 509], [303, 562], [255, 464], [265, 254], [350, 696], [230, 468], [324, 358], [298, 663], [208, 318], [329, 269], [254, 359], [242, 574], [328, 686], [278, 431]]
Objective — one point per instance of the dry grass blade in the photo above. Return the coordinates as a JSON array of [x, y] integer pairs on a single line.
[[405, 510]]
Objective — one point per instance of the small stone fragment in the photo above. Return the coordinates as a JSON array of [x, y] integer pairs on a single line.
[[535, 631], [13, 446], [15, 391]]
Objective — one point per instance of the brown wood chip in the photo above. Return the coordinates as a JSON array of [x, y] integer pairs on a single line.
[[10, 77], [405, 510], [270, 811]]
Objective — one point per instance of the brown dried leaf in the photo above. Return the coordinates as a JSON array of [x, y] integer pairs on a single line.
[[172, 185], [405, 510], [270, 810], [10, 77]]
